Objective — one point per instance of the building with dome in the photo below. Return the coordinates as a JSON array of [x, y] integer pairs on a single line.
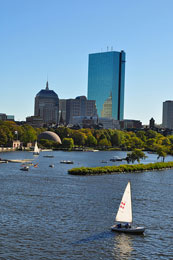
[[49, 135], [47, 106]]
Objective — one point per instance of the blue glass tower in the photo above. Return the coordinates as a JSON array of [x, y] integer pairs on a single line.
[[106, 79]]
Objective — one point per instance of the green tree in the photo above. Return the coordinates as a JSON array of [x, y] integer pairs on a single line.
[[91, 141], [135, 155], [136, 143], [29, 134], [79, 138], [63, 132], [151, 134], [150, 143], [161, 152], [166, 141], [68, 143], [3, 137], [104, 143], [46, 143], [116, 138]]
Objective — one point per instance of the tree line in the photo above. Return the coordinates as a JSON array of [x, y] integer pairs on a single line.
[[102, 139]]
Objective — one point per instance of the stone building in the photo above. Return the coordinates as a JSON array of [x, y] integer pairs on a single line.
[[79, 106]]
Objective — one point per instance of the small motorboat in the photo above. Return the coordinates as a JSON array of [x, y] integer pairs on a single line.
[[25, 168], [103, 161], [116, 159], [51, 165], [124, 215], [67, 162]]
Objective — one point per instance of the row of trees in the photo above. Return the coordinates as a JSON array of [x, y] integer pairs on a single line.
[[116, 139], [102, 139], [10, 131]]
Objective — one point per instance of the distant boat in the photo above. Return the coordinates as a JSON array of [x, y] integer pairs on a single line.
[[48, 156], [67, 162], [92, 150], [51, 165], [116, 159], [36, 149], [25, 168], [124, 215]]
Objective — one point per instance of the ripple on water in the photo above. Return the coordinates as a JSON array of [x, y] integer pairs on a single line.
[[47, 214]]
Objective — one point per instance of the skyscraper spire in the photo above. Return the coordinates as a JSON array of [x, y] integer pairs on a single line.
[[47, 85]]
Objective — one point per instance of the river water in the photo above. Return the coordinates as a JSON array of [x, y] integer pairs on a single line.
[[47, 214]]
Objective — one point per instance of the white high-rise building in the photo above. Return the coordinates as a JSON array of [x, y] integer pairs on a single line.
[[167, 118]]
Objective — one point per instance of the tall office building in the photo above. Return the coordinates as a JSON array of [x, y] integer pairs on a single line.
[[106, 79], [167, 117], [47, 106]]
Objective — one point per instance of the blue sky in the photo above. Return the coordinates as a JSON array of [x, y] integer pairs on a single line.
[[52, 38]]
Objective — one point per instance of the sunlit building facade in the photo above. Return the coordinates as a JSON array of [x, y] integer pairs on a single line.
[[106, 80]]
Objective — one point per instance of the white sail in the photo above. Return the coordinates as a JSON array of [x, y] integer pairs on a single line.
[[124, 213], [36, 149]]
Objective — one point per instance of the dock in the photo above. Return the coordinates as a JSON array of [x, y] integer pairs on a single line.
[[16, 160]]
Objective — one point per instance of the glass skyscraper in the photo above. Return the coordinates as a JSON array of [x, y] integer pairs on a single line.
[[167, 117], [106, 78]]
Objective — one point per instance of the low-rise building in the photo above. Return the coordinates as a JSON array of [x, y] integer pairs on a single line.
[[130, 124], [35, 121], [5, 117], [109, 123]]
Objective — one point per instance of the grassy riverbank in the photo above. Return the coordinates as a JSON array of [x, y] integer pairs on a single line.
[[126, 168]]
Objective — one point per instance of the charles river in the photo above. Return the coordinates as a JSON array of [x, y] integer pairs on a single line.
[[47, 214]]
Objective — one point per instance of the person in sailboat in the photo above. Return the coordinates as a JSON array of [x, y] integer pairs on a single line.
[[127, 225], [119, 225]]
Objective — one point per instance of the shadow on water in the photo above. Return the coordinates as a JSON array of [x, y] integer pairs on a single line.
[[122, 243], [119, 238], [99, 236]]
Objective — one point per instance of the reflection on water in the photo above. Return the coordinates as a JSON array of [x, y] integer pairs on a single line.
[[123, 246]]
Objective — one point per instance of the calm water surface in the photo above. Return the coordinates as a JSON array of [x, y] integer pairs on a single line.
[[47, 214]]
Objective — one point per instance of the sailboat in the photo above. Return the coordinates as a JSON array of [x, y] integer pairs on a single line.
[[36, 149], [124, 215]]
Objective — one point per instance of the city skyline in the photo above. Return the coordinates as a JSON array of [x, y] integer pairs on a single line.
[[41, 39]]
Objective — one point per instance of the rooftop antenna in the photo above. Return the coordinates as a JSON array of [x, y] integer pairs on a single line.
[[47, 84]]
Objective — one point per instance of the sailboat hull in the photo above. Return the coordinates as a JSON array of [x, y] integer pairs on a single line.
[[35, 153], [132, 230]]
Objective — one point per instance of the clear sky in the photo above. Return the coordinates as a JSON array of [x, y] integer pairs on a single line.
[[52, 38]]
